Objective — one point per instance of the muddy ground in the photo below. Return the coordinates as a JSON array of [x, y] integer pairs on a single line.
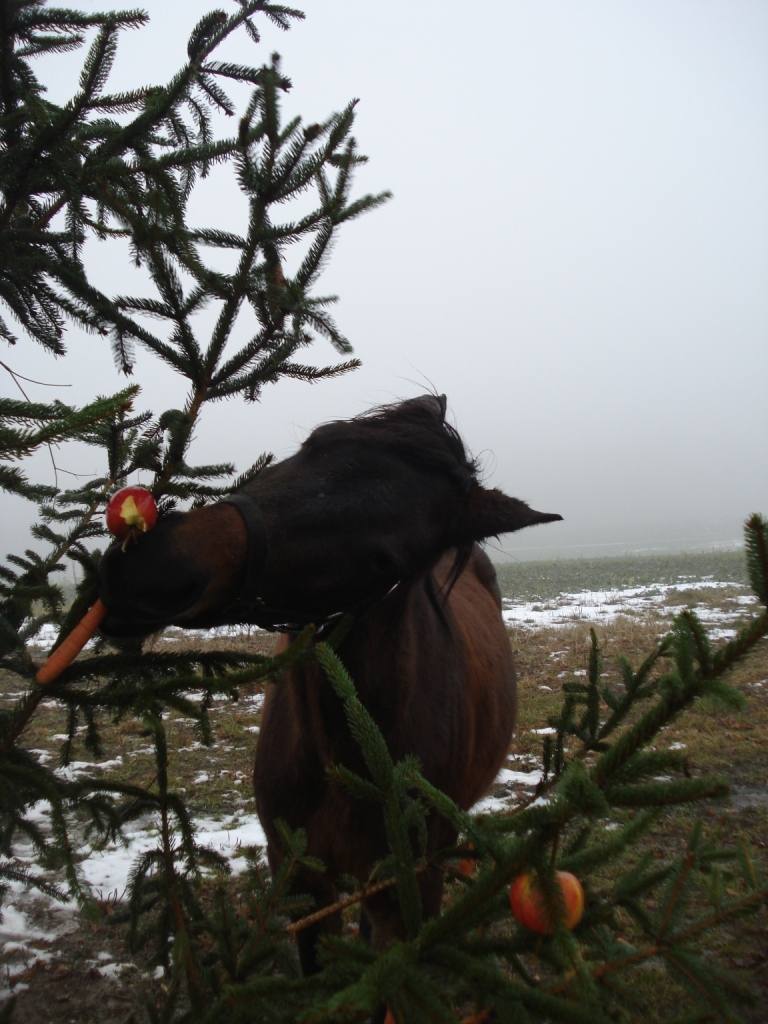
[[89, 974]]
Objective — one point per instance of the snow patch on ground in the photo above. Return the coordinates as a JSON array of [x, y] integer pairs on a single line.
[[230, 841], [506, 776], [46, 635], [31, 921], [606, 605], [112, 969]]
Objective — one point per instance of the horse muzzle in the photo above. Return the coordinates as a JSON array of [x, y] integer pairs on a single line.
[[145, 587]]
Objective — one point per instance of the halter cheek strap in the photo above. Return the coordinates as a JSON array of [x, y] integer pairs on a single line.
[[250, 607], [257, 544]]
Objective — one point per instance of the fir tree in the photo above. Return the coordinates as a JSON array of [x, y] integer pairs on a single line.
[[105, 166], [110, 166]]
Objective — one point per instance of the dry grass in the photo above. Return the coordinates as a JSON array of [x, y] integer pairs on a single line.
[[716, 741], [216, 782]]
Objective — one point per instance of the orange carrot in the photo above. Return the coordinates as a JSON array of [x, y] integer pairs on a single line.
[[467, 864], [71, 646]]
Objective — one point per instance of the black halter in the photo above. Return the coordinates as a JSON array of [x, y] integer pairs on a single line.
[[258, 548], [250, 607]]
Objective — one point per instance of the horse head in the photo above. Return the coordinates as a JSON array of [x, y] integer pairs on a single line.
[[362, 505]]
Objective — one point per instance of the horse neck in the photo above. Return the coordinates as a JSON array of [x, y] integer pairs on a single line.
[[386, 653]]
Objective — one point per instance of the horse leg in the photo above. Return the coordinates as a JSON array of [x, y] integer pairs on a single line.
[[307, 941], [324, 894], [365, 926], [308, 938], [381, 920], [366, 935], [431, 889], [383, 909]]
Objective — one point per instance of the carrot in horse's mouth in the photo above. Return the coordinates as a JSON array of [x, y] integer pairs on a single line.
[[130, 511], [71, 646]]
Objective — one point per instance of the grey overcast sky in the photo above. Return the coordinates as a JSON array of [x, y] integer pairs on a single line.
[[576, 252]]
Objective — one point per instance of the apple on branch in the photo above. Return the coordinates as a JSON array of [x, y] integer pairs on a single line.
[[131, 511], [532, 912]]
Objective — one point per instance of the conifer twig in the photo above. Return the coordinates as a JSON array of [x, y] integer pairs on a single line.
[[348, 901], [659, 948], [675, 895]]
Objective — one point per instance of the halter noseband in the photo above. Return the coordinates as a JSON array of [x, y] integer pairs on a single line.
[[252, 607]]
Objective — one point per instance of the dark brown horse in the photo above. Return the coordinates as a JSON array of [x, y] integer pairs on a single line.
[[378, 516]]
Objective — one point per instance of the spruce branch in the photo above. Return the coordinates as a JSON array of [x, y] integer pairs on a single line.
[[756, 544]]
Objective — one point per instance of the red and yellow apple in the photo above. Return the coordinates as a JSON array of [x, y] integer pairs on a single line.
[[530, 910], [130, 511]]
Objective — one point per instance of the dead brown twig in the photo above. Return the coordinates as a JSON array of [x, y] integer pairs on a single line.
[[348, 901]]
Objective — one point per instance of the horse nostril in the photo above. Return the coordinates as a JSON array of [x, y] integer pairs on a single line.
[[148, 585]]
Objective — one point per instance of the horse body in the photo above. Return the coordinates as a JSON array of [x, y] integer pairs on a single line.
[[379, 517], [434, 669]]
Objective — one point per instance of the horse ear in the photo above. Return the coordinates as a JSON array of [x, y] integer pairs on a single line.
[[441, 402], [436, 405], [491, 513]]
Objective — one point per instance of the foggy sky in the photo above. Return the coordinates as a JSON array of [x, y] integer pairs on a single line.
[[576, 252]]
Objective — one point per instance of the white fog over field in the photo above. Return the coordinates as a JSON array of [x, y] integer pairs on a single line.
[[576, 253]]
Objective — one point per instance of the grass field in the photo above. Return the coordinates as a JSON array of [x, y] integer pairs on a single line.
[[531, 580], [68, 971]]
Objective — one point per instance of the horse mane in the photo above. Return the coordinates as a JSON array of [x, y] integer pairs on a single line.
[[415, 430]]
